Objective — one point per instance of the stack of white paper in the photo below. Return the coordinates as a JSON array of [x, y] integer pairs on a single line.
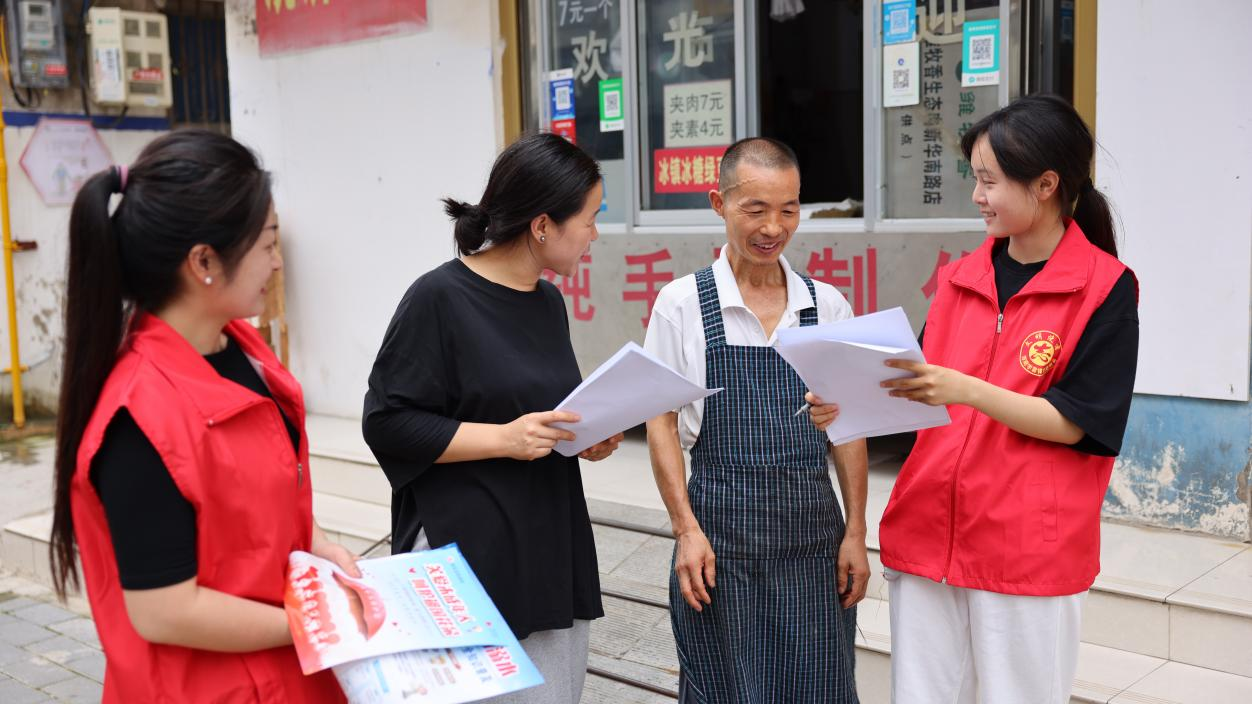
[[628, 389], [843, 364]]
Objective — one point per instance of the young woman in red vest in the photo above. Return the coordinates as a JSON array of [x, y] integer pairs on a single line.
[[991, 537], [182, 464]]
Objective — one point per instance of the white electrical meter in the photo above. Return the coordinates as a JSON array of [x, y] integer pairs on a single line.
[[38, 30], [130, 54]]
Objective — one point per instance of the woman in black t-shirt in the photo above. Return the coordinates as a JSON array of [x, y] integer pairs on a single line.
[[459, 415]]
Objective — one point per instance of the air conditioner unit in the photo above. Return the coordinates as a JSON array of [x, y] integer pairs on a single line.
[[130, 56]]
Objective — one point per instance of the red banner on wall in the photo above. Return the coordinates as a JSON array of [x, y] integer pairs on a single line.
[[292, 25], [686, 169]]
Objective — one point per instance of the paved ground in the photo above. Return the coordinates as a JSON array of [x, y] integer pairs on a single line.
[[48, 652]]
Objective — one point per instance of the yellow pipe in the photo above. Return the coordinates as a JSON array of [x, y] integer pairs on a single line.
[[15, 363]]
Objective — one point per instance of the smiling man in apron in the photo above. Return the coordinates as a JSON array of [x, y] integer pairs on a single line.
[[766, 569]]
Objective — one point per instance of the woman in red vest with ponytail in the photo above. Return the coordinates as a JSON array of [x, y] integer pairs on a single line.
[[182, 464], [991, 537]]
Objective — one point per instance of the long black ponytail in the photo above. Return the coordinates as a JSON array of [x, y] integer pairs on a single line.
[[1037, 133], [188, 187]]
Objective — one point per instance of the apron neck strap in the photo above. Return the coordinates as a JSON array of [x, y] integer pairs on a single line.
[[808, 316], [710, 308]]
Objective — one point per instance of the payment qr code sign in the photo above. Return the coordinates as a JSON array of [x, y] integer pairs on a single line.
[[611, 113], [899, 21], [900, 74], [980, 53], [561, 90]]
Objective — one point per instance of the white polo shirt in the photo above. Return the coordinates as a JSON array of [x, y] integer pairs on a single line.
[[676, 330]]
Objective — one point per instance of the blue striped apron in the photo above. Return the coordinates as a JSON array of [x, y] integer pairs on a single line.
[[761, 490]]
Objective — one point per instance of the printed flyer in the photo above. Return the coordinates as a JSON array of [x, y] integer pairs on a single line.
[[416, 627]]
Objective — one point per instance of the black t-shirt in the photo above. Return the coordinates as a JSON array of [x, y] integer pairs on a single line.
[[152, 524], [461, 348], [1095, 390]]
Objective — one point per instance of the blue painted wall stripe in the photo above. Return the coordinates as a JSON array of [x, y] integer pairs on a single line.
[[16, 118]]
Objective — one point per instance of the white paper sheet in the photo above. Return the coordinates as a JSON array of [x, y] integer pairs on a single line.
[[843, 363], [628, 389]]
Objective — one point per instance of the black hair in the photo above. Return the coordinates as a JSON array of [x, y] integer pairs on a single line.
[[761, 151], [539, 173], [1038, 133], [188, 187]]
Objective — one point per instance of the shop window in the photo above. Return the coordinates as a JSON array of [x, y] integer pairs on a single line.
[[688, 92], [810, 87]]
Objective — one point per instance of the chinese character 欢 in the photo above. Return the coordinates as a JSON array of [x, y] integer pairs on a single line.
[[587, 52]]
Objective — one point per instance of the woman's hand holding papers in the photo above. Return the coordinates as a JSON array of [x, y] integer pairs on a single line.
[[602, 449], [930, 384], [938, 386], [532, 435], [821, 413]]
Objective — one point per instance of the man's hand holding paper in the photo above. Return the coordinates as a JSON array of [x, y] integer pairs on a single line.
[[844, 363]]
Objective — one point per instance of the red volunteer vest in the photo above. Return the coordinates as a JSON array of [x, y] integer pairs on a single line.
[[230, 455], [979, 505]]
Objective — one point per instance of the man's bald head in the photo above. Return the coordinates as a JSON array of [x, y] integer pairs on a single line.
[[758, 151]]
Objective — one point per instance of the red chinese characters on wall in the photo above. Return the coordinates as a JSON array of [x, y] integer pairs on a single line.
[[932, 284], [650, 278], [855, 277], [292, 25], [577, 288]]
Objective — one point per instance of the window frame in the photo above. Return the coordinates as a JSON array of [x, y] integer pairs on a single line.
[[747, 121]]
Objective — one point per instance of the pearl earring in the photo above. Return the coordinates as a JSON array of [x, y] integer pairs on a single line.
[[543, 238], [208, 281]]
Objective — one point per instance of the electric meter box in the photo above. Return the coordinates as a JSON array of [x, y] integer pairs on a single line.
[[36, 44], [130, 58]]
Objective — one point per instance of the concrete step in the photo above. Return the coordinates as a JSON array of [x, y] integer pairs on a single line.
[[1162, 594], [635, 566]]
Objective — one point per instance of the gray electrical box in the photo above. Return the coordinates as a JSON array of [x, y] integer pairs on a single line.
[[37, 44]]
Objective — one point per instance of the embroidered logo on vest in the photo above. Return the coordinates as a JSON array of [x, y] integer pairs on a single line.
[[1039, 351]]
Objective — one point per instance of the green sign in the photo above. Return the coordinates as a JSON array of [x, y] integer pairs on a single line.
[[611, 112]]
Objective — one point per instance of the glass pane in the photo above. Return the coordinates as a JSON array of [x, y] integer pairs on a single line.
[[687, 74], [811, 84], [926, 175], [584, 89]]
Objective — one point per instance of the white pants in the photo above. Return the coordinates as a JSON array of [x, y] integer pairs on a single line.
[[951, 645]]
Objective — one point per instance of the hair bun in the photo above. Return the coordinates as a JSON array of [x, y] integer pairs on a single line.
[[470, 230]]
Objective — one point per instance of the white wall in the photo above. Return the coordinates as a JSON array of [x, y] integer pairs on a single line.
[[1174, 121], [39, 275], [363, 139]]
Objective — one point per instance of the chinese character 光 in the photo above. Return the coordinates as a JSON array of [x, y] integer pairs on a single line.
[[587, 52], [692, 44]]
